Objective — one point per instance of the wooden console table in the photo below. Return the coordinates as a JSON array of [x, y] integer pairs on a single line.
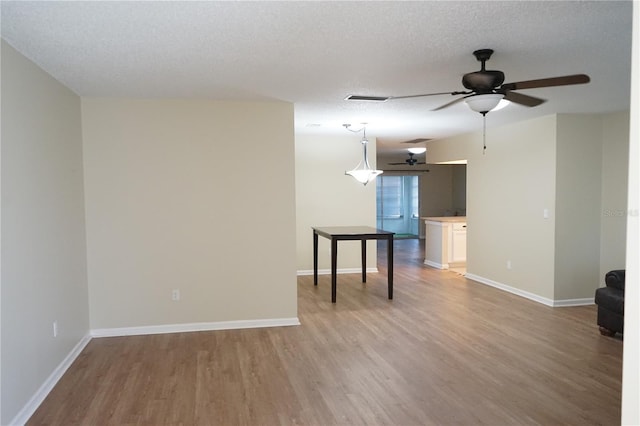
[[350, 233]]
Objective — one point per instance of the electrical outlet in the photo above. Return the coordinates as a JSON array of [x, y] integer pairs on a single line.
[[55, 329], [509, 264], [175, 295]]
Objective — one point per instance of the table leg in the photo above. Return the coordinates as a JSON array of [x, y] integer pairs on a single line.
[[363, 253], [315, 258], [334, 266], [390, 266]]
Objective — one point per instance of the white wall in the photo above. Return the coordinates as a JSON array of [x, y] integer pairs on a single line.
[[189, 195], [325, 196], [43, 229]]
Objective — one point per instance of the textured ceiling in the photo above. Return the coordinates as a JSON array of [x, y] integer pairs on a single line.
[[315, 53]]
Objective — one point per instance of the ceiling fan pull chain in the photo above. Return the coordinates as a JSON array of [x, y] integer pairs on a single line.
[[484, 132]]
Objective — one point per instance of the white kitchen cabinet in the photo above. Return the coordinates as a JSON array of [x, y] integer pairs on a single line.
[[445, 241], [458, 243]]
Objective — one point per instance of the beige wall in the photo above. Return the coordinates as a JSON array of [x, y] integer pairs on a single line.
[[43, 234], [508, 188], [436, 192], [459, 188], [577, 216], [551, 163], [615, 154], [593, 152], [325, 196], [189, 195]]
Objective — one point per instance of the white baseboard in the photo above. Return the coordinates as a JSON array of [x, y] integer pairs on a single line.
[[530, 296], [302, 272], [509, 289], [198, 326], [574, 302], [32, 405], [436, 264]]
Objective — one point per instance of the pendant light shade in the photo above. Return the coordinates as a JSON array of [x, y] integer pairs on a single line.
[[364, 176]]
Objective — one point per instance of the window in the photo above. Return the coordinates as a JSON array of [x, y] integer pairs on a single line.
[[390, 197], [398, 204]]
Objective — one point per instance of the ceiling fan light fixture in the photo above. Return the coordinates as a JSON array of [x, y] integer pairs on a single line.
[[484, 103], [502, 104], [417, 150]]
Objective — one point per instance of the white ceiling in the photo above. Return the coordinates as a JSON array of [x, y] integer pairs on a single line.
[[314, 53]]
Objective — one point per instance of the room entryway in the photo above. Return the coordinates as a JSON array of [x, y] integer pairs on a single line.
[[397, 205]]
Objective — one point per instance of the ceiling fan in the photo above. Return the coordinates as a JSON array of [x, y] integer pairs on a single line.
[[485, 88], [409, 161]]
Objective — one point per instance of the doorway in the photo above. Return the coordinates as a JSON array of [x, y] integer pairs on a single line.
[[397, 205]]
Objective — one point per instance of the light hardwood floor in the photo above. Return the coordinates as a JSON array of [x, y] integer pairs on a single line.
[[445, 351]]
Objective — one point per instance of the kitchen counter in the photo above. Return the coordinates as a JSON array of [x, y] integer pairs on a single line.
[[446, 219]]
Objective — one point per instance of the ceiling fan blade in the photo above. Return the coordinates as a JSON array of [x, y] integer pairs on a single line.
[[386, 98], [419, 140], [367, 98], [448, 104], [521, 99], [412, 171], [423, 95], [547, 82], [406, 163]]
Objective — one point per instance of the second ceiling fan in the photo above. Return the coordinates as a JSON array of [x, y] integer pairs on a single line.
[[409, 161], [485, 88]]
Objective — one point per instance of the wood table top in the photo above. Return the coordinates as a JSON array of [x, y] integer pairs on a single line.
[[337, 231]]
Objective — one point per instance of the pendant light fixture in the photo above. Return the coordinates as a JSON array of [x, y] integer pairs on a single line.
[[363, 172]]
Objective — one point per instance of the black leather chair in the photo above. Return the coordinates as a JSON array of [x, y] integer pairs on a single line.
[[610, 301]]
